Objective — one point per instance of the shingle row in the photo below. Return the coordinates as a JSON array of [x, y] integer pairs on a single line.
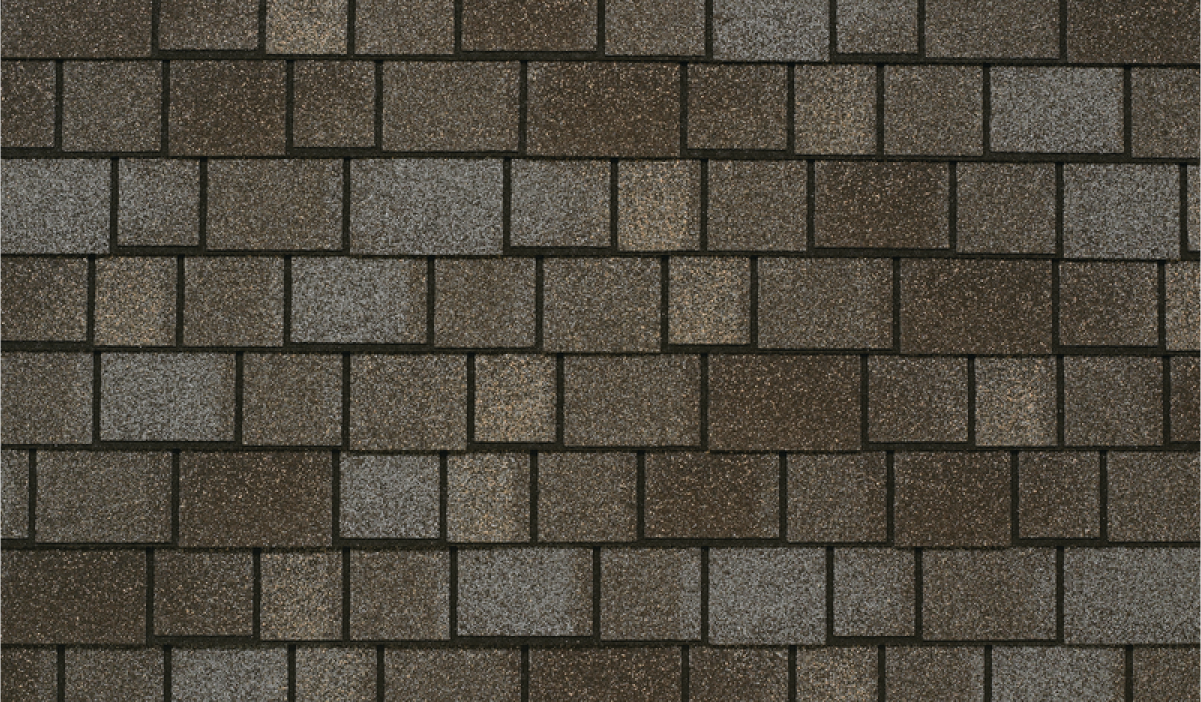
[[223, 108]]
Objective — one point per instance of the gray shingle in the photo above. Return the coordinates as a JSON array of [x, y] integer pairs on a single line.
[[227, 675], [103, 497], [29, 674], [877, 27], [525, 592], [560, 203], [674, 28], [1057, 674], [338, 300], [756, 206], [587, 497], [1186, 398], [1015, 401], [658, 205], [1166, 673], [917, 399], [221, 25], [166, 397], [767, 596], [135, 301], [650, 593], [825, 303], [1130, 596], [1108, 304], [389, 497], [837, 497], [28, 103], [719, 674], [57, 206], [488, 497], [1164, 115], [1055, 109], [49, 398], [425, 207], [158, 203], [292, 399], [1182, 305], [873, 592], [1121, 211], [770, 30], [933, 110]]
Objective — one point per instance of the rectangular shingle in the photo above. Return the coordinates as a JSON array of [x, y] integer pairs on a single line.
[[877, 27], [301, 595], [408, 402], [594, 675], [632, 401], [917, 399], [228, 108], [1057, 674], [747, 410], [488, 302], [103, 497], [952, 499], [1165, 673], [1111, 31], [1005, 207], [837, 497], [255, 499], [697, 495], [1186, 398], [771, 596], [604, 109], [233, 301], [98, 28], [652, 593], [1121, 211], [342, 673], [882, 205], [1153, 496], [1056, 109], [48, 398], [443, 106], [167, 397], [1108, 304], [673, 28], [537, 25], [57, 206], [874, 592], [334, 102], [658, 205], [344, 300], [204, 593], [825, 303], [1164, 116], [99, 675], [988, 28], [708, 300], [515, 398], [14, 511], [1182, 303], [78, 597], [274, 204], [111, 106], [405, 26], [933, 110], [1130, 596], [45, 299], [1059, 495], [973, 595], [292, 399], [737, 107], [850, 673], [488, 497], [560, 203], [447, 206], [918, 674], [1112, 401], [975, 306], [306, 26], [450, 675], [158, 203], [399, 595], [27, 103], [835, 109], [135, 301], [756, 205], [522, 591], [771, 30], [720, 674], [1015, 401], [587, 497], [389, 497], [221, 25], [241, 673], [601, 304]]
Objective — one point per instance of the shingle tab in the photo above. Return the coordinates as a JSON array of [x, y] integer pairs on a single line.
[[756, 205], [14, 511], [1121, 211], [1059, 495], [523, 591], [917, 399], [972, 595], [873, 592], [974, 29], [337, 300], [674, 27], [1165, 673], [708, 300], [770, 30], [837, 673], [103, 497], [1015, 401], [274, 204], [233, 301], [57, 206], [720, 674], [167, 397], [1164, 115], [48, 398], [593, 675], [219, 25], [697, 495], [918, 674], [631, 400], [1182, 305], [442, 106], [389, 497], [658, 205], [240, 673], [399, 595], [111, 106], [27, 103], [1108, 304], [1057, 674], [334, 102], [408, 402], [227, 108], [1130, 596], [515, 398], [1056, 109], [560, 203], [1153, 496], [405, 26], [485, 302], [587, 497], [770, 596], [737, 107], [324, 673], [488, 498], [837, 497], [1110, 31], [1005, 207], [825, 303], [835, 109], [877, 27], [255, 499], [538, 25], [99, 28], [952, 499], [135, 301], [651, 593], [77, 597], [99, 675], [746, 412], [448, 675], [204, 593], [444, 206], [882, 205], [158, 203], [29, 674], [45, 299], [1186, 398], [933, 110], [306, 26], [1112, 401], [292, 399], [301, 596]]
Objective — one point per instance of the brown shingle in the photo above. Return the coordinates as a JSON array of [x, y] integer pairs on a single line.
[[737, 107], [233, 301], [837, 497], [1164, 113], [274, 204], [882, 205], [95, 28], [135, 301], [1166, 673], [217, 25], [408, 402], [1059, 495], [1182, 305], [537, 25], [837, 673], [405, 26], [587, 497], [333, 103], [933, 110], [292, 399], [14, 510], [74, 597], [631, 674], [720, 674], [104, 497], [1153, 496], [917, 399], [835, 110], [914, 674], [48, 398], [747, 411], [756, 205], [488, 497], [27, 99], [988, 28], [1015, 401], [1186, 398], [255, 499], [668, 27], [484, 302], [708, 300], [952, 499], [306, 26], [111, 106], [515, 398], [877, 27], [203, 593], [99, 675], [399, 595], [604, 109], [1108, 304], [632, 401], [443, 106], [975, 306], [601, 304], [650, 593], [227, 108], [1112, 31], [301, 595], [447, 675], [1115, 401], [45, 299], [825, 303], [351, 300], [560, 203], [973, 595], [700, 495], [1005, 207], [658, 205], [158, 203]]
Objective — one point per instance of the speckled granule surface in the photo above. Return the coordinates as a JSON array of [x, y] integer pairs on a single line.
[[583, 350]]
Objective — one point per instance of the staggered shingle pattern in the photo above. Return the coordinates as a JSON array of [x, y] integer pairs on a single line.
[[530, 350]]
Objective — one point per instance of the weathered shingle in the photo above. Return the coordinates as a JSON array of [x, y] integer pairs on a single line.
[[389, 497], [45, 299], [56, 207], [449, 675], [837, 497], [324, 673], [1113, 32], [14, 510], [986, 28], [99, 28], [103, 497], [652, 593], [1057, 674], [442, 106], [917, 399], [933, 110], [167, 396], [708, 300], [232, 301], [1164, 115], [915, 674], [1121, 211], [306, 26], [515, 398], [825, 303], [111, 106], [1112, 401], [240, 673], [874, 592], [973, 595], [337, 300], [835, 109], [292, 399], [674, 27], [1059, 495], [770, 596], [485, 302], [587, 497], [1108, 304], [488, 498], [540, 25], [399, 595], [1015, 401], [301, 596], [135, 301], [100, 675], [722, 674], [334, 102], [658, 205], [770, 30], [405, 26], [837, 673], [952, 499], [698, 495], [560, 203], [524, 591], [204, 593], [274, 204], [756, 205], [1005, 207], [220, 25], [158, 203], [1056, 110], [1153, 496], [28, 103], [593, 675], [877, 27]]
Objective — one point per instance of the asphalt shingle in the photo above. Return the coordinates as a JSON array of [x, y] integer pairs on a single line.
[[292, 399]]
